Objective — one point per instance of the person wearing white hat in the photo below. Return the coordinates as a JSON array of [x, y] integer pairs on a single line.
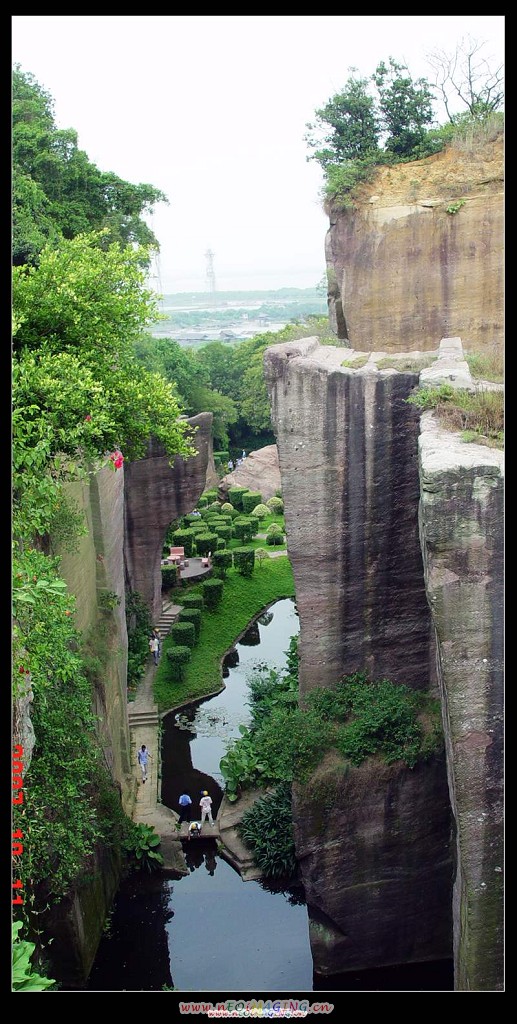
[[206, 807]]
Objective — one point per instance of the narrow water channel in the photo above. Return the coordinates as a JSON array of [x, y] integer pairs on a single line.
[[209, 930]]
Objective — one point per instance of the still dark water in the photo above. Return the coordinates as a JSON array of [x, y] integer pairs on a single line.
[[210, 932]]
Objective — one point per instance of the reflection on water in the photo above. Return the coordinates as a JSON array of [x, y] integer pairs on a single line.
[[195, 739], [209, 931]]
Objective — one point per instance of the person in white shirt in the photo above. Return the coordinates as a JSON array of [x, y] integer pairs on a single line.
[[206, 807]]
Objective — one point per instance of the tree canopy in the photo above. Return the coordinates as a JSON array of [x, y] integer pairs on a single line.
[[78, 389], [389, 117], [57, 191]]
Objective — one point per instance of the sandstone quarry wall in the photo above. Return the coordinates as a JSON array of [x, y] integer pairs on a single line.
[[462, 532], [97, 567], [403, 271], [397, 565], [156, 493]]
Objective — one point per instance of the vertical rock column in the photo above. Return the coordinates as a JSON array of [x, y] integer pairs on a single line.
[[347, 445], [157, 493], [373, 842], [462, 530]]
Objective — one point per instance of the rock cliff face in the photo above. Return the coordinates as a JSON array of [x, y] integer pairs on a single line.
[[366, 568], [462, 516], [259, 471], [95, 567], [404, 269], [127, 514], [156, 493]]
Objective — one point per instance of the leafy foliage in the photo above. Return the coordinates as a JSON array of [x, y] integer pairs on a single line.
[[267, 829], [57, 191], [78, 392], [356, 131], [141, 847], [358, 718], [24, 976], [139, 625]]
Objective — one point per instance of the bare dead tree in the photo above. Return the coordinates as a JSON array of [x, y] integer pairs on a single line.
[[468, 76]]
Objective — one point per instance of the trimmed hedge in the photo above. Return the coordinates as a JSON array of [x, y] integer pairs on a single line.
[[169, 576], [177, 658], [250, 500], [183, 634], [235, 496], [206, 542], [192, 615], [245, 529], [260, 511], [274, 535], [275, 504], [225, 532], [184, 539], [244, 560], [193, 601], [221, 562], [212, 593]]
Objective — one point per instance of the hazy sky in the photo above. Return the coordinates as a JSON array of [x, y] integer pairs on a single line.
[[213, 111]]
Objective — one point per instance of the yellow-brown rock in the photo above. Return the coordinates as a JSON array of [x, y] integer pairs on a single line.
[[420, 255]]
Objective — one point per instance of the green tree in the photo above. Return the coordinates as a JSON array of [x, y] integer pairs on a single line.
[[78, 391], [57, 191], [406, 107], [347, 127]]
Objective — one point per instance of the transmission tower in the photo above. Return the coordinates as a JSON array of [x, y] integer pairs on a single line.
[[210, 272]]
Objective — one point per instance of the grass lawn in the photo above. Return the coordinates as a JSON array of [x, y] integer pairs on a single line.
[[242, 600]]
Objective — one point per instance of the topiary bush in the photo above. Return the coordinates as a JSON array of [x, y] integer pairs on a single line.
[[193, 601], [225, 532], [244, 561], [169, 576], [212, 593], [260, 511], [274, 535], [184, 539], [245, 529], [276, 505], [183, 634], [250, 500], [206, 542], [221, 562], [235, 496], [192, 615], [228, 508], [177, 657]]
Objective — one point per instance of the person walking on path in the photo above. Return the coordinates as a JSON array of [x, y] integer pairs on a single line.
[[143, 759], [185, 804], [154, 647], [206, 807], [157, 634]]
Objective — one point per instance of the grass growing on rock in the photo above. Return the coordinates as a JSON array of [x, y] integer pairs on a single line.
[[241, 601]]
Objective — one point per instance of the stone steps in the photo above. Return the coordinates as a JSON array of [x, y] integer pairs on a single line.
[[168, 617], [136, 717]]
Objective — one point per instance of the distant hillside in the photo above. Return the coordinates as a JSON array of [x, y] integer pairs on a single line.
[[204, 300], [198, 317]]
